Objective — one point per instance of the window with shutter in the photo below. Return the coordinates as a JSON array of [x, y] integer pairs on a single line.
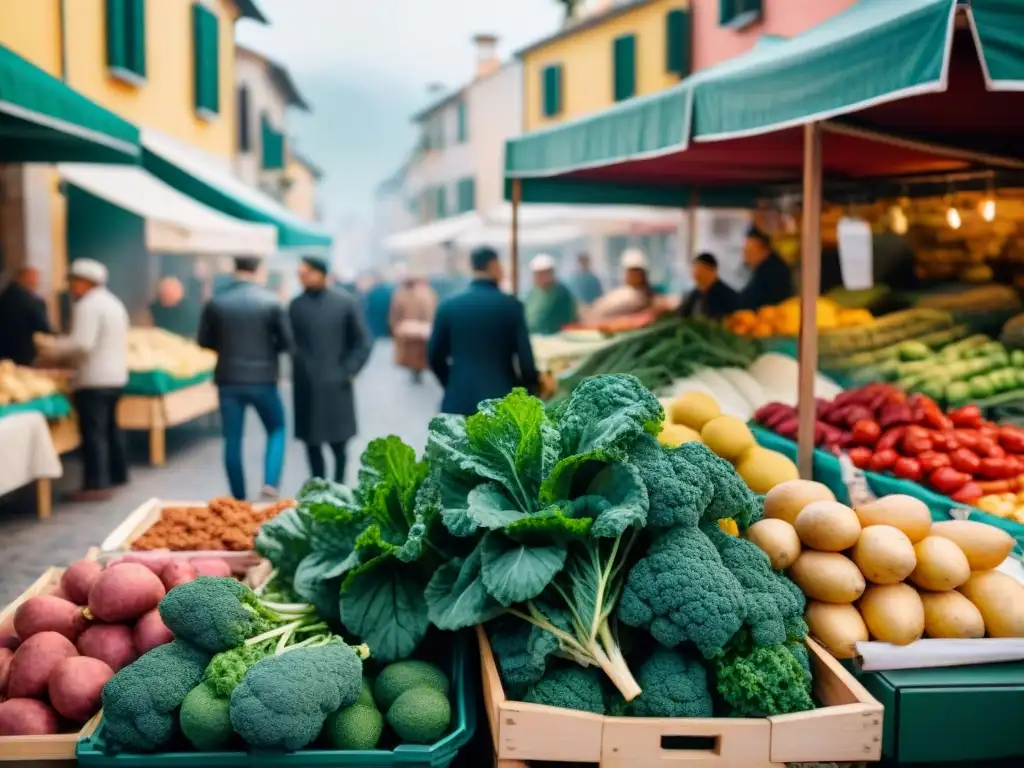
[[678, 42], [738, 14], [244, 120], [463, 120], [624, 69], [126, 40], [551, 90], [467, 195], [206, 60], [272, 144], [441, 204]]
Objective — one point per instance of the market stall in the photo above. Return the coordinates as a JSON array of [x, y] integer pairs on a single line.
[[27, 456], [170, 383]]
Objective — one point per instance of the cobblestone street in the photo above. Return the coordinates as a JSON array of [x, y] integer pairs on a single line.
[[387, 402]]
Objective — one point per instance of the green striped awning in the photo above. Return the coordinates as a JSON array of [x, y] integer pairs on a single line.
[[998, 27], [42, 120]]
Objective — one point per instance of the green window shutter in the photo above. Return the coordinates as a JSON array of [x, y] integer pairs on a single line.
[[137, 36], [739, 13], [624, 57], [206, 54], [551, 88], [272, 143], [463, 123], [117, 35], [467, 195], [678, 43], [441, 203]]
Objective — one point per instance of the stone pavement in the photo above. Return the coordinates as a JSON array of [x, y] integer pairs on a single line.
[[387, 403]]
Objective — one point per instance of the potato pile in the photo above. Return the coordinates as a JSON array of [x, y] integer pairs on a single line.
[[697, 416], [224, 524], [20, 385], [154, 349], [885, 570]]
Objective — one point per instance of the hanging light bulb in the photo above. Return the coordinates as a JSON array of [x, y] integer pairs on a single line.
[[898, 220], [988, 209], [953, 217]]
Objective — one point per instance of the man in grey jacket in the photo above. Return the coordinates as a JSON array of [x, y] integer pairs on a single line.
[[98, 348], [248, 329]]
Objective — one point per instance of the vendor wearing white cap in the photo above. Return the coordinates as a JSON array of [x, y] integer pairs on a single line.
[[549, 305], [98, 347], [635, 296]]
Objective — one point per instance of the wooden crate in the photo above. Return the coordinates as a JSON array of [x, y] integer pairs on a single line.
[[58, 749], [847, 728], [119, 542], [159, 413]]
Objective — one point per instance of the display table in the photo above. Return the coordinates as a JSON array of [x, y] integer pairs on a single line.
[[27, 455], [54, 406], [155, 413]]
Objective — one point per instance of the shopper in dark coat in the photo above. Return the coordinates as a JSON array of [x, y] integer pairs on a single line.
[[480, 346], [22, 316], [771, 281], [711, 299], [331, 347]]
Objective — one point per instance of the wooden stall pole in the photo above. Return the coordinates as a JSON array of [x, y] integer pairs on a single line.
[[517, 196], [810, 285], [44, 498]]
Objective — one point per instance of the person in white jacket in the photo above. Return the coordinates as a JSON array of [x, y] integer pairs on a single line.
[[97, 347]]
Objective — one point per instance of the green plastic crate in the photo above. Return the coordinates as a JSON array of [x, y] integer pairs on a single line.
[[461, 669]]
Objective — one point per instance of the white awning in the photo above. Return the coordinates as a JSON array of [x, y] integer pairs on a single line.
[[432, 234], [499, 236], [175, 223]]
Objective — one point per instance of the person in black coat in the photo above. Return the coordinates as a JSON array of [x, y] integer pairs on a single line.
[[332, 345], [480, 347], [771, 281], [711, 299], [22, 315]]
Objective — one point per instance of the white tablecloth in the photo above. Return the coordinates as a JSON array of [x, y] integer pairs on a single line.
[[26, 451]]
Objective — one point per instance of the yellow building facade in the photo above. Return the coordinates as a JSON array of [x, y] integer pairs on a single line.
[[141, 59], [301, 196], [592, 63]]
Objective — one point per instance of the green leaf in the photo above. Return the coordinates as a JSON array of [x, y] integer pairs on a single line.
[[318, 578], [608, 412], [384, 605], [389, 479], [552, 526], [600, 484], [286, 540], [514, 572], [456, 596], [490, 508], [508, 441]]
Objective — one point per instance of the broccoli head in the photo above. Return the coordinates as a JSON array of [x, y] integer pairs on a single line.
[[571, 687], [680, 591], [205, 720], [679, 495], [732, 497], [284, 700], [762, 681], [215, 614], [775, 605], [141, 700], [227, 668], [675, 685]]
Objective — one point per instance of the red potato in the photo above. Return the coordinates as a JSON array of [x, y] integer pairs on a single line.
[[78, 579], [110, 643], [212, 566], [46, 613], [150, 631], [178, 572], [33, 662], [27, 717], [10, 642], [75, 687], [6, 654], [155, 563], [124, 593]]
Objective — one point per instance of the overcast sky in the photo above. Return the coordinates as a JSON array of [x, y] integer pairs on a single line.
[[366, 65]]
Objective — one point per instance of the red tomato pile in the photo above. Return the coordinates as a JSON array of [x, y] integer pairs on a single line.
[[958, 453]]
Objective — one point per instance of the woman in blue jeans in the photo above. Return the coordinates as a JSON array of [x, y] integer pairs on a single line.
[[248, 329]]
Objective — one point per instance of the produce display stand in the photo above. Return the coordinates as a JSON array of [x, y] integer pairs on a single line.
[[846, 728], [120, 540], [457, 664], [157, 413], [57, 749]]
